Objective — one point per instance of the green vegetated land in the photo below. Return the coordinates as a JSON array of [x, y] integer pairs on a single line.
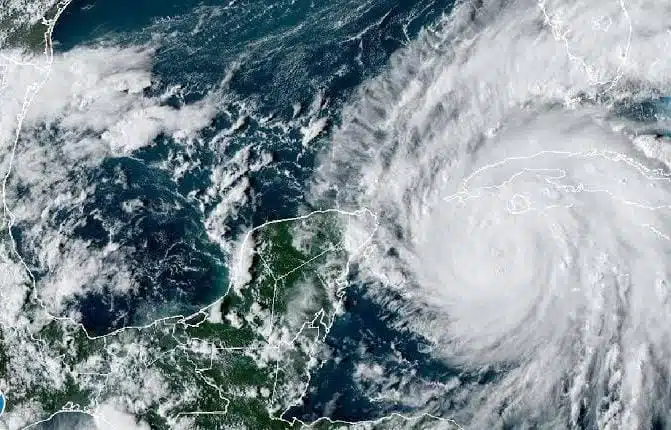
[[30, 36], [238, 364]]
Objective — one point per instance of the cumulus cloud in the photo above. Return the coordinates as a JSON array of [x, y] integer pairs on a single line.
[[88, 105], [525, 225], [100, 90], [111, 416]]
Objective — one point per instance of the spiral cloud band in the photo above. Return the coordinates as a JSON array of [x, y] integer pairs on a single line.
[[524, 208]]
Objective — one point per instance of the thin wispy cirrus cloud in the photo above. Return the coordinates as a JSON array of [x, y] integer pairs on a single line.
[[524, 223]]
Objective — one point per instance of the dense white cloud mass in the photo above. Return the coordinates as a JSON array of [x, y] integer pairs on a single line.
[[526, 225]]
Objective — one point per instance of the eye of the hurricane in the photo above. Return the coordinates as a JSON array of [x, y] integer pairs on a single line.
[[482, 259], [520, 173], [540, 251], [541, 234]]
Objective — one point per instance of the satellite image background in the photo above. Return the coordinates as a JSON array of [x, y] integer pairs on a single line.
[[335, 214]]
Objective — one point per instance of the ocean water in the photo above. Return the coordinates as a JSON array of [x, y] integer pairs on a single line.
[[278, 74], [365, 338], [277, 69], [498, 144]]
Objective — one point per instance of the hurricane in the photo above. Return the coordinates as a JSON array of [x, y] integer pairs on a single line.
[[335, 214], [517, 159]]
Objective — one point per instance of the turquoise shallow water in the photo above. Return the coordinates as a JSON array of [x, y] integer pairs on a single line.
[[283, 54], [270, 69]]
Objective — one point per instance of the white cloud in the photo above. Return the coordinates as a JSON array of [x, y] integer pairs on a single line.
[[243, 254], [109, 416], [522, 223], [101, 90], [92, 106]]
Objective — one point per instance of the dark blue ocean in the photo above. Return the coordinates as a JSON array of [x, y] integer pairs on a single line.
[[282, 54]]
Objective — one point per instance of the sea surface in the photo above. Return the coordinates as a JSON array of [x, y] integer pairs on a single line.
[[170, 129], [280, 72]]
